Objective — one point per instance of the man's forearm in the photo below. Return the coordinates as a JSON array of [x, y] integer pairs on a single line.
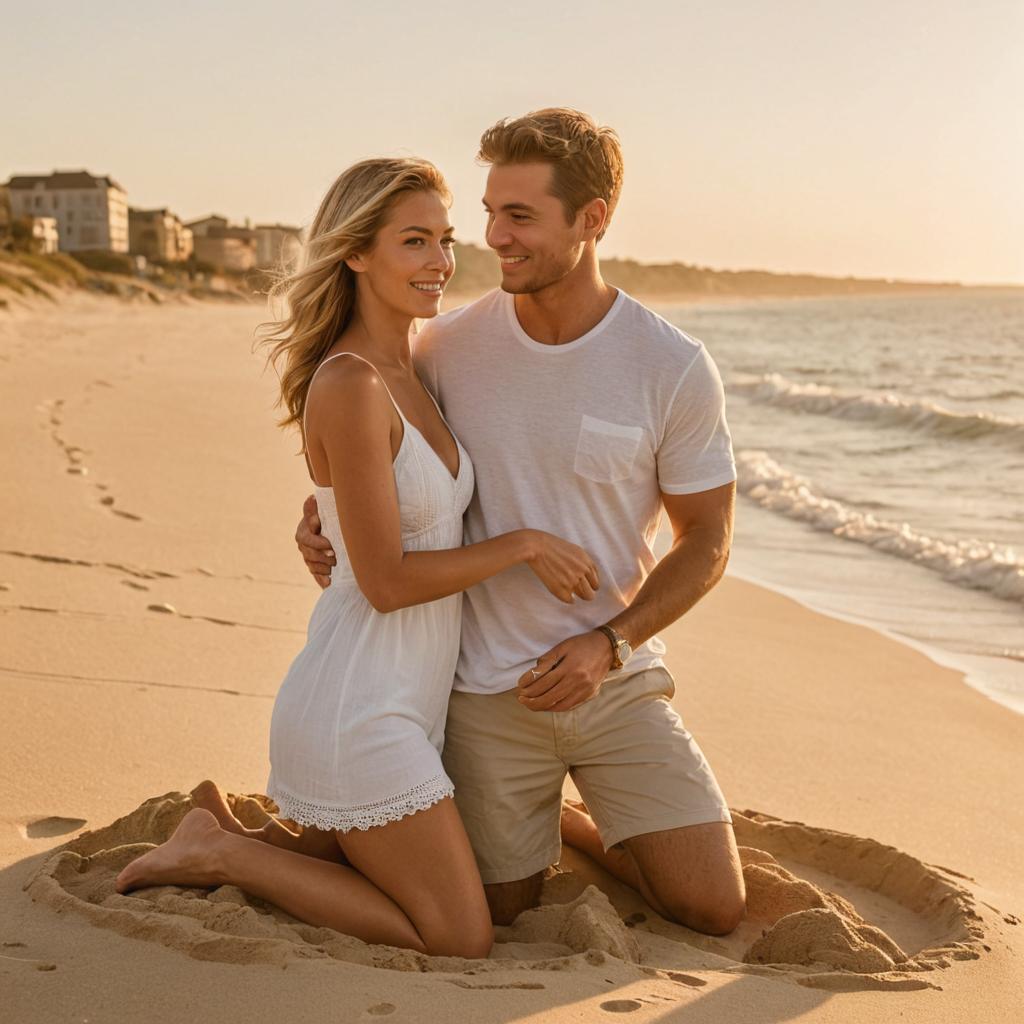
[[692, 567]]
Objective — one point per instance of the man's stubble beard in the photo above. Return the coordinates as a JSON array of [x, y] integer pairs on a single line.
[[542, 280]]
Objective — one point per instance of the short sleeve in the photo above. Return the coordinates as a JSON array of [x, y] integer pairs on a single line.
[[695, 453]]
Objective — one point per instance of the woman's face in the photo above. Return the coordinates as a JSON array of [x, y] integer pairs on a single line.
[[412, 257]]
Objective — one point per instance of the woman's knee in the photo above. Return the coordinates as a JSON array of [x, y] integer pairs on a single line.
[[464, 935]]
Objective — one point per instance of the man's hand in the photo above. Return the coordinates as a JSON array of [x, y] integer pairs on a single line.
[[571, 673], [315, 549]]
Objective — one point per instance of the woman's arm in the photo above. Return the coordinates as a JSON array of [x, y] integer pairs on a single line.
[[352, 423]]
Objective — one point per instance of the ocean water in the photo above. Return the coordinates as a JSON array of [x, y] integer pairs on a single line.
[[880, 455]]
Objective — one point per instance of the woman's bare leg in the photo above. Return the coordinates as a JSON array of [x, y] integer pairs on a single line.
[[425, 863], [311, 842], [431, 907]]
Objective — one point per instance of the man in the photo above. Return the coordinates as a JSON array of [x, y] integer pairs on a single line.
[[584, 414]]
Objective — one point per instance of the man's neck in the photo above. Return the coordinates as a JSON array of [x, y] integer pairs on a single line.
[[569, 308]]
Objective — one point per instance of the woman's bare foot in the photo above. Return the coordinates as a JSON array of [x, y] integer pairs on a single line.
[[208, 796], [310, 841], [188, 858]]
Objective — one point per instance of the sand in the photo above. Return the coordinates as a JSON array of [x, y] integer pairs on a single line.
[[150, 601]]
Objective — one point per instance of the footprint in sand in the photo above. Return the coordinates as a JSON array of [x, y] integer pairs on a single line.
[[39, 965], [686, 979], [621, 1006], [529, 986], [108, 501], [48, 828], [381, 1009]]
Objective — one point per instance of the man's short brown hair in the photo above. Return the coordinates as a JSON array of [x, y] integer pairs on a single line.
[[586, 157]]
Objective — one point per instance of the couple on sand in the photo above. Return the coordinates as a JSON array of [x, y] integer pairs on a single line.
[[455, 544]]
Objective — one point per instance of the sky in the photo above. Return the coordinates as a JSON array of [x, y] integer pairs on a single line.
[[879, 139]]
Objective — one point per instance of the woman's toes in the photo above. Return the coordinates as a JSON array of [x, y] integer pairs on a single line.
[[208, 796], [187, 858]]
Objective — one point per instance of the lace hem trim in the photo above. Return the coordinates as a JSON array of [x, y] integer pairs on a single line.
[[363, 816]]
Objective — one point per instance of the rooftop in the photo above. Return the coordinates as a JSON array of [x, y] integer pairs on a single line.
[[63, 179]]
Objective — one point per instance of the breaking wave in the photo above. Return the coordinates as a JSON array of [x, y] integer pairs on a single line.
[[886, 409], [975, 564]]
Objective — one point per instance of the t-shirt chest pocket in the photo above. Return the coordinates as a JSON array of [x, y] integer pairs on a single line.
[[605, 452]]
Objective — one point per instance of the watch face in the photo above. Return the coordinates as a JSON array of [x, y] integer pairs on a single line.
[[625, 652]]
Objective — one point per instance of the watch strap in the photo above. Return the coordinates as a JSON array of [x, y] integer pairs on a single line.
[[614, 639]]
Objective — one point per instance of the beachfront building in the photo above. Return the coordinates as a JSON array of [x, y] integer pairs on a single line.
[[200, 228], [277, 245], [222, 246], [159, 235], [91, 212]]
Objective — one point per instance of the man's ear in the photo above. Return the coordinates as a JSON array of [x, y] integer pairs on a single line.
[[595, 217]]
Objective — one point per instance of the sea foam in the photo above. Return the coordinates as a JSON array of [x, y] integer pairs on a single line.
[[975, 564]]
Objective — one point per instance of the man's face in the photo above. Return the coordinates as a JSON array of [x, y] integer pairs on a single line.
[[527, 228]]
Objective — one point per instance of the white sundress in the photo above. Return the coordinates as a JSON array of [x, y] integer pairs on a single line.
[[358, 724]]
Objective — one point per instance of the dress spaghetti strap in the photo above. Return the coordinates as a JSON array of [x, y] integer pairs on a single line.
[[338, 355]]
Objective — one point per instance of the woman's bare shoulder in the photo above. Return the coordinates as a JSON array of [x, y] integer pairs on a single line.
[[347, 391]]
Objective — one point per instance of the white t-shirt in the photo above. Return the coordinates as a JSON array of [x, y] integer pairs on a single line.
[[576, 439]]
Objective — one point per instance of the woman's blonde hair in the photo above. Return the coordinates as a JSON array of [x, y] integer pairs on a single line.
[[320, 295]]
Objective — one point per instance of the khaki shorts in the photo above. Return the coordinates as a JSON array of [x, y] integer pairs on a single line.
[[628, 753]]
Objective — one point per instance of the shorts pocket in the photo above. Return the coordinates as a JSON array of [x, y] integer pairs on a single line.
[[605, 452]]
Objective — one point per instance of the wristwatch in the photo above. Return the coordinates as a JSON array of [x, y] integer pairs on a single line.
[[621, 651]]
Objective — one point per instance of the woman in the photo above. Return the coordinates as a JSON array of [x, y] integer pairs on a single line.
[[358, 724]]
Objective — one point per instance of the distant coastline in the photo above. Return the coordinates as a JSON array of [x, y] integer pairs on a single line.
[[26, 278], [667, 282]]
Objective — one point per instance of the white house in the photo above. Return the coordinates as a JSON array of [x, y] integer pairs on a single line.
[[91, 212]]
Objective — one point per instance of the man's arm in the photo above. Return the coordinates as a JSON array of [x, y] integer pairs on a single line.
[[701, 539]]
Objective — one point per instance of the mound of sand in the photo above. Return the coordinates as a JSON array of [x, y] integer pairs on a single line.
[[846, 913]]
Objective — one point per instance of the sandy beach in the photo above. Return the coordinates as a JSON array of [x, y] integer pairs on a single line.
[[151, 599]]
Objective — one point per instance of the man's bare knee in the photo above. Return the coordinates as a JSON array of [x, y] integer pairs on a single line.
[[712, 919], [507, 900], [716, 910]]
